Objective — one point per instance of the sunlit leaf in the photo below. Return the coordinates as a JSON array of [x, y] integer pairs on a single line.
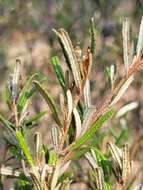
[[91, 131], [52, 158], [24, 148]]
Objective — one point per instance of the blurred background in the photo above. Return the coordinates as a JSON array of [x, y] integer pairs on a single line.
[[26, 33]]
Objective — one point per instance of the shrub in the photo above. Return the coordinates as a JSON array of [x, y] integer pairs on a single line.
[[77, 121]]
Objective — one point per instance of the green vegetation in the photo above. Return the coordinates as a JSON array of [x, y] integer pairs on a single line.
[[76, 132]]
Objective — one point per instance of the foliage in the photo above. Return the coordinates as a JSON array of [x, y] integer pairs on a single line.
[[74, 132]]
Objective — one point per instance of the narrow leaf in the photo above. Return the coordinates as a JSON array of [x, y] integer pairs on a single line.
[[115, 154], [126, 163], [87, 94], [70, 103], [52, 158], [46, 169], [24, 148], [55, 137], [126, 43], [87, 118], [91, 131], [10, 137], [99, 178], [77, 122], [93, 37], [91, 160], [140, 39], [6, 123], [35, 117], [49, 101], [55, 175], [63, 106], [16, 76], [36, 182], [38, 144], [70, 55], [8, 96], [59, 72], [112, 71], [122, 90], [125, 109], [104, 163], [25, 94]]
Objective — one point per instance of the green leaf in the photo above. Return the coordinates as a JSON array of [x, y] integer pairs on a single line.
[[107, 186], [70, 55], [99, 154], [34, 118], [50, 102], [93, 37], [104, 163], [23, 183], [59, 72], [52, 158], [24, 148], [6, 123], [46, 152], [25, 93], [91, 131]]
